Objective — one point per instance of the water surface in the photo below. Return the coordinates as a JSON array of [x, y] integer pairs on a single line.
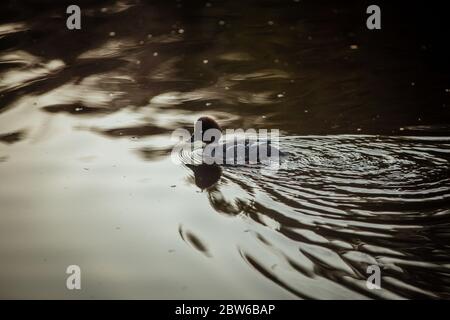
[[85, 140]]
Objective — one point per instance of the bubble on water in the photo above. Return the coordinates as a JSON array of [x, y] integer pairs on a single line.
[[141, 42], [354, 47], [205, 61], [208, 104], [149, 36], [221, 22], [155, 54], [104, 9], [180, 31], [270, 23], [208, 4], [112, 34], [280, 95]]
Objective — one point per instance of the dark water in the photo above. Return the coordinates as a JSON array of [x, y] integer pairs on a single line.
[[86, 119]]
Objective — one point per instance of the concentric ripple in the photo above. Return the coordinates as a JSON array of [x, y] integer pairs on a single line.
[[341, 203]]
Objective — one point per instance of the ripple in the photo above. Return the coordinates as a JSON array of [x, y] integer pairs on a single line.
[[340, 203], [12, 137], [193, 240]]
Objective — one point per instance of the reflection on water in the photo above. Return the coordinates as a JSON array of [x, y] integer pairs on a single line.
[[205, 175], [341, 203], [85, 140]]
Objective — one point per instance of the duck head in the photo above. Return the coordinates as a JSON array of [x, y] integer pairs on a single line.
[[207, 130]]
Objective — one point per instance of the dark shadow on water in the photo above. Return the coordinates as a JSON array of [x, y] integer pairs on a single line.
[[205, 176], [12, 137]]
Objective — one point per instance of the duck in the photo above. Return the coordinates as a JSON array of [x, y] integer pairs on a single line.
[[220, 149]]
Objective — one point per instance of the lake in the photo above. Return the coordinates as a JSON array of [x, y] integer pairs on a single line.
[[87, 176]]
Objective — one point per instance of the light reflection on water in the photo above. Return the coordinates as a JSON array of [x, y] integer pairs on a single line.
[[85, 125]]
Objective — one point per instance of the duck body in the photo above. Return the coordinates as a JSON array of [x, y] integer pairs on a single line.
[[240, 152], [214, 148]]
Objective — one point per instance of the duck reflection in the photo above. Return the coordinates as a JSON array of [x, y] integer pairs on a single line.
[[206, 175]]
